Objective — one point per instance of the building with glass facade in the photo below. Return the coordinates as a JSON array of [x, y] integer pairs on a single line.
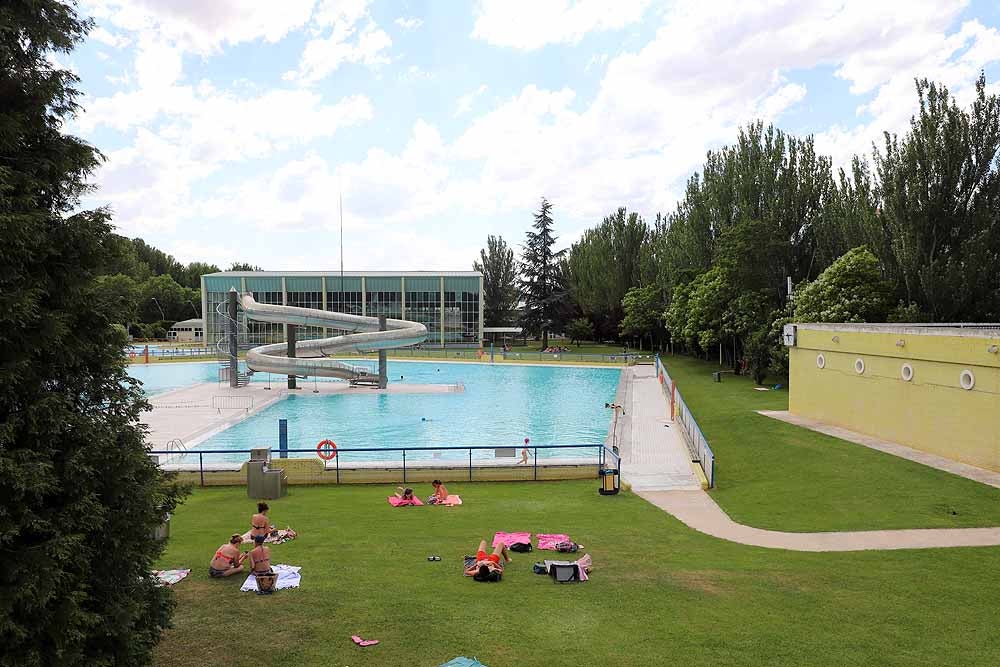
[[448, 303]]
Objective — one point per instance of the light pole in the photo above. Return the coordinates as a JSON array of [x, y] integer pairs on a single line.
[[162, 316], [196, 313], [614, 425]]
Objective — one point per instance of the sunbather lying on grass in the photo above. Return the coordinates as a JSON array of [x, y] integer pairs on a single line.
[[488, 567], [228, 559], [404, 494]]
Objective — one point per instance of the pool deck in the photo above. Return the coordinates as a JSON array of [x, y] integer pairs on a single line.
[[654, 454], [194, 414]]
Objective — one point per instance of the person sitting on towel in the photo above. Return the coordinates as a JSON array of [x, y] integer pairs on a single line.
[[260, 556], [488, 567], [228, 559], [440, 493], [259, 523], [406, 495]]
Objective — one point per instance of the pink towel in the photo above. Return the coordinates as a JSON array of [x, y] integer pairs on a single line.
[[451, 500], [395, 501], [511, 538], [550, 541]]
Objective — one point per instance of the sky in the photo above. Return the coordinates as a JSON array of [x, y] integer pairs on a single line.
[[232, 128]]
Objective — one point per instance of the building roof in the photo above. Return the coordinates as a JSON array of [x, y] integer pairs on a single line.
[[347, 274], [199, 322], [966, 329]]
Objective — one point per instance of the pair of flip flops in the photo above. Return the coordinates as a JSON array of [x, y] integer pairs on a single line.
[[434, 558], [363, 642]]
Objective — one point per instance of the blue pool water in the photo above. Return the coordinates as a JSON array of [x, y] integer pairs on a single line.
[[501, 405]]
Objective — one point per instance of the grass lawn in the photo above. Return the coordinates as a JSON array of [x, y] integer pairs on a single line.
[[660, 593], [770, 474]]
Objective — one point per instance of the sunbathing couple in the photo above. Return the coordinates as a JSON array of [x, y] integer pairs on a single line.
[[488, 567], [228, 559], [439, 496]]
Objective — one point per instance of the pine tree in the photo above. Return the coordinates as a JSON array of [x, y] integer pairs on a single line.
[[543, 282], [79, 496]]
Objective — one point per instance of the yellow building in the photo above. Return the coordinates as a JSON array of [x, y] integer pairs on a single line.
[[935, 388]]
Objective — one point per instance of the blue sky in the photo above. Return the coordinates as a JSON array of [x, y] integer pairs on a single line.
[[231, 127]]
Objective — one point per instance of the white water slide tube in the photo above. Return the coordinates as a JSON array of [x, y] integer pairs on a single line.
[[312, 356]]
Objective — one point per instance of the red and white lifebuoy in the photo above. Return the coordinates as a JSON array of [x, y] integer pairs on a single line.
[[326, 449]]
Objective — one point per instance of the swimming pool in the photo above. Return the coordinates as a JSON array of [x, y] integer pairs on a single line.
[[500, 406]]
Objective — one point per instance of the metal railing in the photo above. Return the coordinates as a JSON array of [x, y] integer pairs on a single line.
[[701, 452], [605, 457], [221, 403]]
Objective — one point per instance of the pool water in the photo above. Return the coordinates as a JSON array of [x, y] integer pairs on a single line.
[[500, 406]]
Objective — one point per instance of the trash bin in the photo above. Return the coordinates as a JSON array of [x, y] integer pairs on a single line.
[[717, 376], [162, 532], [609, 482]]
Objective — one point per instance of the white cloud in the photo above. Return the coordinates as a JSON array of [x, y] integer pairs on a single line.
[[465, 101], [408, 23], [528, 25], [351, 36], [110, 39], [416, 73]]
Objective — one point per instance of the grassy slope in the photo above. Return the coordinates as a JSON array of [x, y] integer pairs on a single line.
[[775, 475], [659, 593]]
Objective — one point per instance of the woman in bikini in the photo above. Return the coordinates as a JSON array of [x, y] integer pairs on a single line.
[[488, 566], [228, 559], [259, 523], [260, 565]]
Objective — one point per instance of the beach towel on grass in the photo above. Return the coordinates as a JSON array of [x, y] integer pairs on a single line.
[[451, 500], [169, 577], [511, 538], [549, 541], [288, 577], [462, 661], [396, 501], [282, 535]]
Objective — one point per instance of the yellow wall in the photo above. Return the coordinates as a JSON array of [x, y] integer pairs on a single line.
[[931, 412]]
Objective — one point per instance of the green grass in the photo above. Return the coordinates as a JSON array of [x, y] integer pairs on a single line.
[[660, 593], [770, 474]]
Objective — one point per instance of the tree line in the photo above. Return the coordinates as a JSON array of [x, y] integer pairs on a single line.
[[768, 232]]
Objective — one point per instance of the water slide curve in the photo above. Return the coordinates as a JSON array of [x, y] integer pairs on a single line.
[[312, 356]]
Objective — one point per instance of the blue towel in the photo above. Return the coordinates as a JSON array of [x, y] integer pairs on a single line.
[[462, 661]]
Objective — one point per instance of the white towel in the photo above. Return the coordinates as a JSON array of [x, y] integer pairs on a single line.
[[288, 577]]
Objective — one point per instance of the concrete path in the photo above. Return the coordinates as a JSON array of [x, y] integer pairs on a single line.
[[698, 511], [956, 468], [654, 455]]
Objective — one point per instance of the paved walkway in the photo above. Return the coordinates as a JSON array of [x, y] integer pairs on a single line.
[[654, 455], [698, 511], [961, 469]]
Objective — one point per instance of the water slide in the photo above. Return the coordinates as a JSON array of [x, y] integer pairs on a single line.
[[312, 356]]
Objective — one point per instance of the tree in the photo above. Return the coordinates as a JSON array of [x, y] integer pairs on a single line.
[[119, 296], [190, 275], [543, 285], [80, 496], [162, 298], [243, 266], [849, 290], [500, 295], [642, 307], [579, 330]]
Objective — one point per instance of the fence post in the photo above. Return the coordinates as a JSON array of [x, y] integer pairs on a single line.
[[404, 466], [673, 400], [470, 464], [536, 464], [201, 467], [337, 459]]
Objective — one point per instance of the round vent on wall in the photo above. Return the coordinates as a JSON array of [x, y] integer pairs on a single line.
[[859, 366], [906, 372], [967, 379], [820, 361]]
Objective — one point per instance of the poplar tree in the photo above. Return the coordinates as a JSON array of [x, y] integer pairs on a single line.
[[500, 294], [79, 497]]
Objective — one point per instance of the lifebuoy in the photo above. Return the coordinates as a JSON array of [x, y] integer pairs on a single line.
[[326, 449]]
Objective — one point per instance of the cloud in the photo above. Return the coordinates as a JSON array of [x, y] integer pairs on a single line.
[[465, 101], [408, 23], [528, 25], [350, 35], [105, 37]]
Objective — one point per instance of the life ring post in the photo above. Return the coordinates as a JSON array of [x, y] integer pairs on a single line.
[[326, 449]]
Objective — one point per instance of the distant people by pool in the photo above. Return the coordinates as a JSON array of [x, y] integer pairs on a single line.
[[555, 350], [228, 559]]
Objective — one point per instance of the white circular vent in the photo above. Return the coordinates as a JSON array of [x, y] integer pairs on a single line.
[[906, 372], [820, 361], [859, 366], [967, 379]]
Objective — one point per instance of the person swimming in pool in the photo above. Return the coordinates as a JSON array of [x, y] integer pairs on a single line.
[[228, 559], [488, 567]]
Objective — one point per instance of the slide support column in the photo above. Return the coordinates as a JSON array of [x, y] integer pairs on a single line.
[[291, 351], [383, 372]]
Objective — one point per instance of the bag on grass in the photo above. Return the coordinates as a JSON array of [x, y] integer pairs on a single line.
[[564, 573], [521, 547], [567, 547], [265, 582], [539, 568]]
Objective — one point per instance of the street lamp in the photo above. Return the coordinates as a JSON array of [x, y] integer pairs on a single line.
[[196, 313], [162, 316], [614, 426]]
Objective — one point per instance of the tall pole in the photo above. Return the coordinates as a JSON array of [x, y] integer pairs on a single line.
[[383, 371], [340, 198], [231, 330], [291, 352]]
